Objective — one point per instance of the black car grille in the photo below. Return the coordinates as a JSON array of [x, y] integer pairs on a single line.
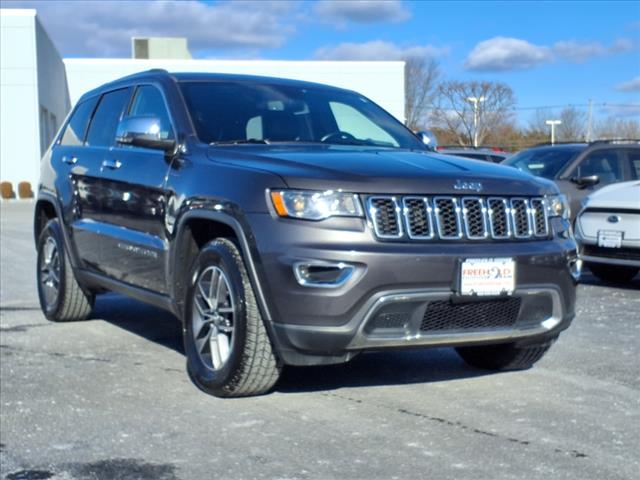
[[443, 315], [616, 253], [455, 218]]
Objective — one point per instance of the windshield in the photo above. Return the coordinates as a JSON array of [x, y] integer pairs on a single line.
[[239, 112], [545, 163]]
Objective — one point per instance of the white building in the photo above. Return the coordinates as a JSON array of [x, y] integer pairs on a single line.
[[38, 88]]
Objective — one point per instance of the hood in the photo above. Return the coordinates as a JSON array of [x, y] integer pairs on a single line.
[[379, 170], [622, 195]]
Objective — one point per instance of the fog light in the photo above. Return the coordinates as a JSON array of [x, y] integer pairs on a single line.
[[322, 274]]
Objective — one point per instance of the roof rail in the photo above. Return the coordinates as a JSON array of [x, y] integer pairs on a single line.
[[615, 140], [548, 144]]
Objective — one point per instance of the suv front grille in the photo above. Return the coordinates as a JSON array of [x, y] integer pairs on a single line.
[[442, 315], [455, 218]]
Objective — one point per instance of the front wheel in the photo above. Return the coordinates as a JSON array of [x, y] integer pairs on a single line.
[[229, 353], [504, 356], [61, 297]]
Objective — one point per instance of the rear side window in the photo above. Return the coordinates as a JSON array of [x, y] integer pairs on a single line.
[[77, 126], [634, 160], [102, 131], [148, 101]]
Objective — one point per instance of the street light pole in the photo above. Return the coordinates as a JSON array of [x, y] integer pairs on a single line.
[[553, 124], [475, 101]]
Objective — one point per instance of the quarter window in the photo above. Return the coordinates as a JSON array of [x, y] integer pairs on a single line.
[[77, 126], [102, 131]]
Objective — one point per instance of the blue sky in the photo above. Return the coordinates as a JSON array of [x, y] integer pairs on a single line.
[[550, 53]]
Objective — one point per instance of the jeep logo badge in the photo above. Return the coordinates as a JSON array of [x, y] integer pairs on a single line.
[[460, 185]]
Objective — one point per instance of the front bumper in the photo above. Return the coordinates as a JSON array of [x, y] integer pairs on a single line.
[[319, 325]]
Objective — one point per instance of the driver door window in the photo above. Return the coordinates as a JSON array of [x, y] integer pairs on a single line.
[[603, 163], [148, 101]]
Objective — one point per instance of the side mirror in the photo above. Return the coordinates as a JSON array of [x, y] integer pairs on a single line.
[[584, 182], [143, 131], [428, 138]]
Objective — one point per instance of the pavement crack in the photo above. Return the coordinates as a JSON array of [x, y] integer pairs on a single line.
[[11, 349], [458, 425]]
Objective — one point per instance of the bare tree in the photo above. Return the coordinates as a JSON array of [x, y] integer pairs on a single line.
[[613, 127], [420, 77], [455, 113], [573, 126], [537, 122]]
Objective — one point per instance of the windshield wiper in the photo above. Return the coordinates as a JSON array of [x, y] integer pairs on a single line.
[[241, 141]]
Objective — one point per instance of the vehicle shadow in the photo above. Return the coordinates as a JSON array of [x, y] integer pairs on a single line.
[[146, 321], [588, 278], [394, 367]]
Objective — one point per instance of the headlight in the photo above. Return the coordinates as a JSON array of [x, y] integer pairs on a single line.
[[558, 206], [310, 205]]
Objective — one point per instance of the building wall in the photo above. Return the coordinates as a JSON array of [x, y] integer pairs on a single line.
[[34, 93], [53, 92], [382, 82], [19, 113]]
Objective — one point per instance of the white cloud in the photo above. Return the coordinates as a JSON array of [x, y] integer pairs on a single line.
[[579, 52], [105, 28], [503, 53], [360, 11], [377, 50], [632, 85]]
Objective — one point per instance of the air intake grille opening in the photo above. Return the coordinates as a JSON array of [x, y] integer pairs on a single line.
[[418, 217], [385, 215], [520, 216], [539, 217], [499, 218], [474, 217], [447, 217], [442, 315]]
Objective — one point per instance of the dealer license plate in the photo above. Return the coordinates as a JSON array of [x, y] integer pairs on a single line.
[[609, 238], [487, 276]]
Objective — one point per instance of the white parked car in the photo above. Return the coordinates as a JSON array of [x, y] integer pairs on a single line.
[[608, 230]]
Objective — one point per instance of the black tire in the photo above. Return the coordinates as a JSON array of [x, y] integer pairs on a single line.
[[252, 366], [70, 303], [504, 357], [613, 273]]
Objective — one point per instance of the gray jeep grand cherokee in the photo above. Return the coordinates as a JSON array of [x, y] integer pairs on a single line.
[[289, 223]]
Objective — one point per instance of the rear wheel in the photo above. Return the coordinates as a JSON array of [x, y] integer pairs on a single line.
[[504, 356], [613, 273], [229, 353], [61, 297]]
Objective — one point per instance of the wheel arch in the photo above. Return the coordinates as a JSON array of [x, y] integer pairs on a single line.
[[196, 228]]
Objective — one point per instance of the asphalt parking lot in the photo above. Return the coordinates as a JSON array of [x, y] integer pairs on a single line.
[[109, 398]]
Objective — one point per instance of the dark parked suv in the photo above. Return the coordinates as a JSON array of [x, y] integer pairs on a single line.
[[289, 223]]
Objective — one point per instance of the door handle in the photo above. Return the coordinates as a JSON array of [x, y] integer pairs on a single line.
[[111, 164], [70, 160]]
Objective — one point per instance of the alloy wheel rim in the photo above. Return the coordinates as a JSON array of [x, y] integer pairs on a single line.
[[213, 318], [50, 271]]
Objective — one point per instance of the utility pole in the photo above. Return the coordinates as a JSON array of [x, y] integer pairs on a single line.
[[553, 124], [589, 122], [475, 101]]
